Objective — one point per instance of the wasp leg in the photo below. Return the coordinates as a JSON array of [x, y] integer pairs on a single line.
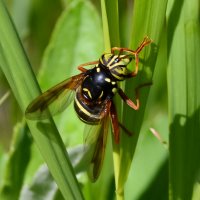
[[116, 125], [114, 122], [144, 43], [128, 101], [125, 129], [81, 67]]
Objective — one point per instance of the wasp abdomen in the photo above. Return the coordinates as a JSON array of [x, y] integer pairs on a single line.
[[89, 113]]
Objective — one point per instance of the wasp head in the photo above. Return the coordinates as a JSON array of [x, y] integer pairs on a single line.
[[117, 65]]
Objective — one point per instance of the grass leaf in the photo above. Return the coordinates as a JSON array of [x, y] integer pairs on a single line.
[[145, 22], [184, 98]]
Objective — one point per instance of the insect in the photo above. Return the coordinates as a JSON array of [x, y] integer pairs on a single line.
[[92, 91]]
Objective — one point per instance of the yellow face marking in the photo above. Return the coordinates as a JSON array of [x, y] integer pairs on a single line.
[[114, 90], [107, 80], [98, 69], [107, 56], [113, 82], [88, 91], [111, 61]]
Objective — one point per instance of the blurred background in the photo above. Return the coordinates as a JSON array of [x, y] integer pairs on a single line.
[[34, 27]]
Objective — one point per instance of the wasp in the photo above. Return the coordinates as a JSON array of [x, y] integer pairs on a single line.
[[92, 91]]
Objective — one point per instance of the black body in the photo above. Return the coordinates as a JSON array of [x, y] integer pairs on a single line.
[[97, 86]]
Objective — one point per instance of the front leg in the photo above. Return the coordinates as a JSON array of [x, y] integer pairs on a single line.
[[135, 53], [146, 41], [81, 67]]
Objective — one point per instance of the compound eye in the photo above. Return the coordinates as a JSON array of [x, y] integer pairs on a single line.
[[116, 60]]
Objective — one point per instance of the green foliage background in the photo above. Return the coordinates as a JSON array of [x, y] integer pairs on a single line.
[[59, 35]]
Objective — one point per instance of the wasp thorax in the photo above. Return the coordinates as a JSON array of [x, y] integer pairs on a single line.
[[117, 65], [98, 85]]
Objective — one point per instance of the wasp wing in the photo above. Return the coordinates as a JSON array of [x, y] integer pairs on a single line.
[[55, 100], [95, 141]]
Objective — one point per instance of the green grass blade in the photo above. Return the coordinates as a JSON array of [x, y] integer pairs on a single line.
[[148, 19], [110, 19], [145, 22], [184, 98], [110, 23], [148, 165], [18, 72], [105, 26]]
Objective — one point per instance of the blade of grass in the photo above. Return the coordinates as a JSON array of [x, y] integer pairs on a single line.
[[110, 19], [17, 70], [145, 21], [105, 26], [184, 98], [150, 154], [148, 19]]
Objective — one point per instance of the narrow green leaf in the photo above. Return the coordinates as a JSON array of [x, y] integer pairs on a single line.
[[110, 17], [149, 165], [184, 98], [148, 19], [105, 26], [18, 72]]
